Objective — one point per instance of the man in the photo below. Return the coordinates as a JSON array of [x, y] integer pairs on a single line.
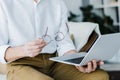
[[30, 33]]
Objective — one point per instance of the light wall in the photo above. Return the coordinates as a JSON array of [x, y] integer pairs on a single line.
[[73, 5]]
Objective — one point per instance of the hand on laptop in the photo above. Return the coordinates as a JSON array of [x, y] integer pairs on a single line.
[[90, 67]]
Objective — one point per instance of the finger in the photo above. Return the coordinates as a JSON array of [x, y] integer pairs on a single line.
[[42, 45], [89, 67], [45, 43], [37, 48], [100, 63], [81, 68], [41, 41], [36, 42], [36, 51], [94, 65], [34, 47]]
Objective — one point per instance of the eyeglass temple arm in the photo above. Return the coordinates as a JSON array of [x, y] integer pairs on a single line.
[[67, 27]]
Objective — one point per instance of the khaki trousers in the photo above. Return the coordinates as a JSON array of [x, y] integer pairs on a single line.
[[41, 68]]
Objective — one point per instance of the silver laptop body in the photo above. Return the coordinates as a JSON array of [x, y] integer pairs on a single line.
[[104, 48]]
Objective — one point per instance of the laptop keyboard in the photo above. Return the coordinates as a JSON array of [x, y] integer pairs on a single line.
[[75, 60]]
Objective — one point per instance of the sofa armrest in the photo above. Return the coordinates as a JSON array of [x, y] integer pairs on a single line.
[[2, 68], [111, 66], [81, 32]]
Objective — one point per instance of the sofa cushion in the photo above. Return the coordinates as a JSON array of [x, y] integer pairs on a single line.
[[2, 68], [81, 32]]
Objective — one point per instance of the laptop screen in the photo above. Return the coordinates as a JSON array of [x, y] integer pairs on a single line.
[[93, 37]]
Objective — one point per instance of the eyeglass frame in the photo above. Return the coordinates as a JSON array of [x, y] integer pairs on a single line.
[[46, 35]]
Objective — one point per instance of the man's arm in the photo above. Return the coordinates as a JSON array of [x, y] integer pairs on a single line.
[[4, 35], [30, 49]]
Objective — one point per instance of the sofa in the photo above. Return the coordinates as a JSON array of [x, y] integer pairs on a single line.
[[80, 32], [2, 71], [2, 68]]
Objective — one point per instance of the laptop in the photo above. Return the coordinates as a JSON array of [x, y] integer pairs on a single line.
[[103, 48]]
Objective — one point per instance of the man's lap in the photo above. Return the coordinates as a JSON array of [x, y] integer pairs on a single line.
[[60, 72], [21, 72], [40, 68], [68, 72]]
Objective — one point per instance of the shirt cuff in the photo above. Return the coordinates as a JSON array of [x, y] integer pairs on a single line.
[[2, 53], [64, 49]]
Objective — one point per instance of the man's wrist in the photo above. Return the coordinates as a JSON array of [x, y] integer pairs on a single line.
[[14, 53], [19, 51]]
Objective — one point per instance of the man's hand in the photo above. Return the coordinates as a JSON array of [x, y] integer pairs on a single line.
[[90, 67], [32, 49]]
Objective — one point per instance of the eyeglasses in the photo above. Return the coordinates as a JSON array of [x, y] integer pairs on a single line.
[[59, 36]]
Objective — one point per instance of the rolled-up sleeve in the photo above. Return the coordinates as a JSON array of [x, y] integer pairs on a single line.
[[66, 44], [3, 35]]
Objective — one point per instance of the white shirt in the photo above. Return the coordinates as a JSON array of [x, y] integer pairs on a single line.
[[22, 21]]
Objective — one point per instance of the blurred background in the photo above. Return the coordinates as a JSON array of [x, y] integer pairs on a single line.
[[104, 12], [107, 14]]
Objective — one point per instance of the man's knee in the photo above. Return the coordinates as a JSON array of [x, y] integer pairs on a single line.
[[25, 73], [97, 75]]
